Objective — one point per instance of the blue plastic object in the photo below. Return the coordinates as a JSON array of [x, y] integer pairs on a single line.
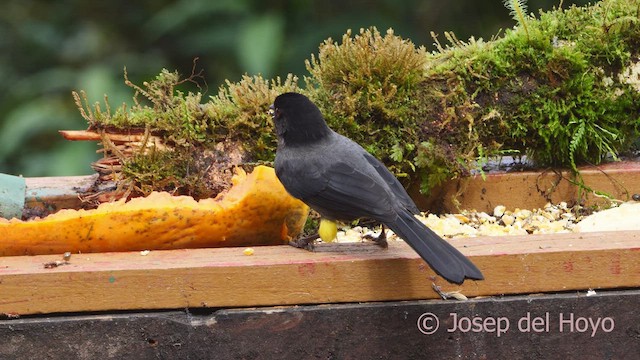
[[12, 194]]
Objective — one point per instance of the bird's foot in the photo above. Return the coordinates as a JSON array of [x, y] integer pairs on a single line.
[[306, 242], [380, 240]]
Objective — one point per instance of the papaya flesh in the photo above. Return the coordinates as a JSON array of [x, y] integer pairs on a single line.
[[256, 210]]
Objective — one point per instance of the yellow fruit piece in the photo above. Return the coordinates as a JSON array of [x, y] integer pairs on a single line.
[[248, 251], [328, 230], [256, 210]]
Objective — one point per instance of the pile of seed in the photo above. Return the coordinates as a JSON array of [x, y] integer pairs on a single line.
[[550, 219], [558, 218]]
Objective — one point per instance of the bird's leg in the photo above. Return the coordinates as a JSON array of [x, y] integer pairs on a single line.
[[380, 240], [305, 242]]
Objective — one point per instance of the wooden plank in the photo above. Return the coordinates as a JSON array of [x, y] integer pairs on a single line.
[[344, 331], [525, 190], [46, 195], [282, 275], [531, 190]]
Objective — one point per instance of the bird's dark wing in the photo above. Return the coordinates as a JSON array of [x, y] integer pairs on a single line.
[[393, 183], [341, 192]]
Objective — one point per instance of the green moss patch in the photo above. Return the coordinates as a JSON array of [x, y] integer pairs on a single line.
[[561, 88]]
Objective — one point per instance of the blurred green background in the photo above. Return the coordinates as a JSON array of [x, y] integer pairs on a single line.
[[49, 48]]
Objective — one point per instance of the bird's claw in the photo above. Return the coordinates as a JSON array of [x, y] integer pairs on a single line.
[[306, 242], [380, 240]]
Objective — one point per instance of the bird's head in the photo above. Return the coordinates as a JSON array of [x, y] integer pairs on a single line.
[[297, 119]]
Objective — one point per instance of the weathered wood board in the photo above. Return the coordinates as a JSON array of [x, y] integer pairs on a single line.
[[524, 190], [282, 275], [531, 190]]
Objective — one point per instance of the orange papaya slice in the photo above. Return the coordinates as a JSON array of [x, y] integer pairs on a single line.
[[256, 210]]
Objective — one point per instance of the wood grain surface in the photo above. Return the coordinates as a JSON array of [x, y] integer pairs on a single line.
[[336, 273]]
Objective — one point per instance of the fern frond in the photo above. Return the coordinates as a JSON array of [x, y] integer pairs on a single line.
[[576, 139]]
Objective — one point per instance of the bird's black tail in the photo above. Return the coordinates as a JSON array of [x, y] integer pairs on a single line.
[[443, 258]]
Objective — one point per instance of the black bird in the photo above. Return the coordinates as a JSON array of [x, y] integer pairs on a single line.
[[342, 182]]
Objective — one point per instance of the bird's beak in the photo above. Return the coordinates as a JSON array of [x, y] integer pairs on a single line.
[[272, 111]]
